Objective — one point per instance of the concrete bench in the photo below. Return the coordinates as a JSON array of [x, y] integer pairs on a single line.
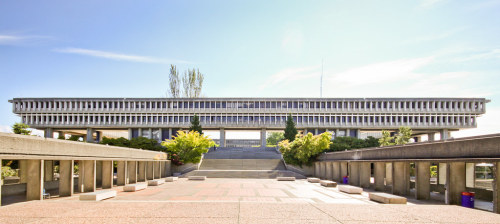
[[197, 177], [313, 180], [156, 182], [98, 195], [285, 178], [350, 189], [134, 187], [387, 198], [171, 179], [328, 183]]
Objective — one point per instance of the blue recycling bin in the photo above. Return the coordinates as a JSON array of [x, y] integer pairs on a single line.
[[345, 180], [468, 199]]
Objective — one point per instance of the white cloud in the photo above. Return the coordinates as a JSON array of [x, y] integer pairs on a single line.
[[433, 37], [430, 3], [117, 56], [493, 54], [290, 75], [17, 39]]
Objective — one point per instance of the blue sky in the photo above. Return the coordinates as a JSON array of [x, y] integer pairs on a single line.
[[430, 48]]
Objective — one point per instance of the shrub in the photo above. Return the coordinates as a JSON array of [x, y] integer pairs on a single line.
[[304, 149], [188, 146]]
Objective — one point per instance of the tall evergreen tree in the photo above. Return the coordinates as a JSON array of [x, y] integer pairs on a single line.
[[290, 130], [195, 125]]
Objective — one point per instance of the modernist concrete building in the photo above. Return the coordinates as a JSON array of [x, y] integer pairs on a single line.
[[160, 118]]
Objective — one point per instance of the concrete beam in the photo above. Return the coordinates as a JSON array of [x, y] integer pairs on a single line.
[[132, 171], [121, 173], [89, 176], [364, 174], [141, 175], [422, 181], [379, 175], [400, 178], [336, 171], [66, 180], [455, 183], [354, 173], [34, 184], [107, 174]]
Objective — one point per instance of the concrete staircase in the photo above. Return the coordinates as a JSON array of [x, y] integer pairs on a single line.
[[243, 163]]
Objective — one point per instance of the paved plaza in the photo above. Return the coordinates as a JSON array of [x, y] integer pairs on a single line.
[[237, 201]]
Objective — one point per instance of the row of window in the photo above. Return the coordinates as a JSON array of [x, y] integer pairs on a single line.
[[468, 105], [458, 120]]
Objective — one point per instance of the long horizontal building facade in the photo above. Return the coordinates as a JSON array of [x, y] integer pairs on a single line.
[[159, 118]]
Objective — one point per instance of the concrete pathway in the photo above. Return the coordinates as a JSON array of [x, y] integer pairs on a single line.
[[236, 201]]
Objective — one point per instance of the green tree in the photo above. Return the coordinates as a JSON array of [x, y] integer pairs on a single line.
[[74, 138], [195, 124], [192, 83], [386, 139], [21, 129], [274, 138], [304, 149], [137, 143], [404, 135], [174, 85], [188, 147], [290, 130]]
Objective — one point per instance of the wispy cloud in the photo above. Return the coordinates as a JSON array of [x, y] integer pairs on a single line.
[[430, 3], [434, 37], [117, 56], [492, 54], [290, 75], [19, 39]]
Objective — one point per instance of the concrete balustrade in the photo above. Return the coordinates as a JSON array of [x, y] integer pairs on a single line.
[[38, 156], [391, 166]]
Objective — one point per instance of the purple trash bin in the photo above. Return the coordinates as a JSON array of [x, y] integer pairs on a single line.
[[468, 199], [345, 180]]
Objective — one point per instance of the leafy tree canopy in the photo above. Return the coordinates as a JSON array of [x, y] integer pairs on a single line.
[[21, 129], [290, 130], [402, 137], [188, 146], [343, 143], [137, 143], [275, 137], [304, 149], [195, 124]]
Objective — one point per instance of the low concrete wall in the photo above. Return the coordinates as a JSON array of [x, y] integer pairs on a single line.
[[188, 167], [304, 170], [483, 146], [32, 147]]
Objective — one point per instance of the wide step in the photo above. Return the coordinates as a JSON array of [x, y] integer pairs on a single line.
[[242, 164], [254, 174]]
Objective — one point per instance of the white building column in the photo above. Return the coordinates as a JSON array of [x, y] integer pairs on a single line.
[[263, 135], [90, 137]]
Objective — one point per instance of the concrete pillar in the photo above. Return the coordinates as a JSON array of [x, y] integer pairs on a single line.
[[422, 180], [354, 173], [98, 173], [379, 175], [317, 169], [89, 176], [343, 169], [445, 134], [150, 170], [455, 183], [157, 170], [315, 131], [170, 134], [348, 132], [150, 136], [121, 173], [263, 138], [336, 171], [388, 174], [400, 178], [141, 175], [496, 187], [365, 171], [132, 171], [329, 173], [107, 174], [66, 181], [322, 171], [48, 169], [23, 171], [81, 174], [34, 184], [222, 141], [430, 137], [90, 135], [129, 133], [49, 133]]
